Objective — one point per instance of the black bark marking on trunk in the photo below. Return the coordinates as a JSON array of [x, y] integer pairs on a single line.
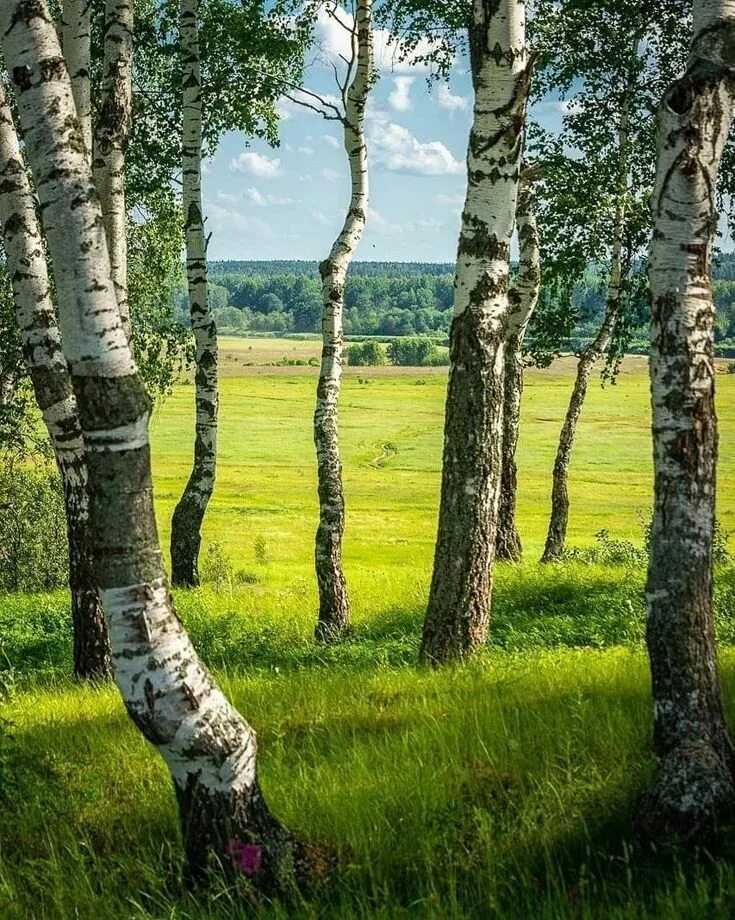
[[458, 614]]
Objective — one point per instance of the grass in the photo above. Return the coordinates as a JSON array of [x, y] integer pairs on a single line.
[[503, 789]]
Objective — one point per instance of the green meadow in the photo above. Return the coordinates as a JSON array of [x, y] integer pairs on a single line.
[[501, 789]]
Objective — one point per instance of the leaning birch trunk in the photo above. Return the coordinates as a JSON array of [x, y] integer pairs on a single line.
[[209, 748], [559, 519], [47, 368], [76, 30], [112, 131], [694, 792], [458, 612], [334, 608], [524, 298], [186, 525]]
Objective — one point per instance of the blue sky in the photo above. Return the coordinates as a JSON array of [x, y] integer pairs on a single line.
[[289, 202]]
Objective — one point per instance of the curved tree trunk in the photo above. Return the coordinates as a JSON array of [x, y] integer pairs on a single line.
[[557, 533], [112, 131], [24, 251], [523, 299], [334, 607], [458, 611], [694, 791], [186, 525], [209, 748], [76, 32]]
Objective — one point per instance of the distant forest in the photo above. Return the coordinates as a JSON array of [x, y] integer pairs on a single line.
[[388, 299]]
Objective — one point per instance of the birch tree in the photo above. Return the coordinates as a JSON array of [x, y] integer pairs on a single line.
[[559, 518], [524, 297], [694, 791], [111, 135], [76, 36], [189, 513], [47, 368], [608, 61], [209, 748], [457, 616], [334, 606]]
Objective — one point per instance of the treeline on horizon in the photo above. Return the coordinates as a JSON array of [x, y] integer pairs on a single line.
[[391, 299]]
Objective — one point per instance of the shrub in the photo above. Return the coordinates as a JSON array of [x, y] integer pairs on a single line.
[[217, 568], [33, 544], [416, 353], [366, 354]]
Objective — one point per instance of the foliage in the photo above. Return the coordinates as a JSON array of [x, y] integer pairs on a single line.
[[33, 547], [609, 63], [397, 299], [162, 345], [366, 354], [416, 353]]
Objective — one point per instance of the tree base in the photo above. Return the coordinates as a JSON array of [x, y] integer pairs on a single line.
[[692, 800], [508, 547], [328, 630], [92, 657], [236, 837]]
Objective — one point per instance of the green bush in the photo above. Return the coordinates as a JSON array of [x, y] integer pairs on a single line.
[[416, 353], [33, 543], [366, 354]]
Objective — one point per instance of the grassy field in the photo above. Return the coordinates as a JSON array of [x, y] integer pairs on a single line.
[[503, 789], [391, 435]]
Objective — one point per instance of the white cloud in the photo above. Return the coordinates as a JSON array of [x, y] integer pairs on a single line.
[[331, 175], [264, 201], [222, 221], [307, 151], [334, 39], [395, 148], [256, 164], [227, 198], [331, 140], [400, 97], [454, 201], [320, 217], [379, 224], [448, 100]]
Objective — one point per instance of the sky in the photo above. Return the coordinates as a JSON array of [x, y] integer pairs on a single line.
[[289, 202]]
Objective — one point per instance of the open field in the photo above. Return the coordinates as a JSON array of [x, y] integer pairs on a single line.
[[391, 433], [503, 789]]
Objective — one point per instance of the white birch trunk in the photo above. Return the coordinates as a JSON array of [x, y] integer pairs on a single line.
[[209, 748], [458, 612], [112, 131], [334, 610], [524, 298], [186, 525], [76, 31], [559, 519], [694, 791], [47, 368]]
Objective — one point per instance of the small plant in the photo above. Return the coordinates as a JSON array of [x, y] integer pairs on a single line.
[[217, 568], [245, 577], [33, 545], [260, 548]]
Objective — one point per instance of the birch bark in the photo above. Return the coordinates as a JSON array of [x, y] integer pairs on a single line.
[[112, 131], [47, 368], [694, 791], [186, 525], [458, 611], [523, 298], [334, 609], [209, 748], [76, 29], [559, 519]]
